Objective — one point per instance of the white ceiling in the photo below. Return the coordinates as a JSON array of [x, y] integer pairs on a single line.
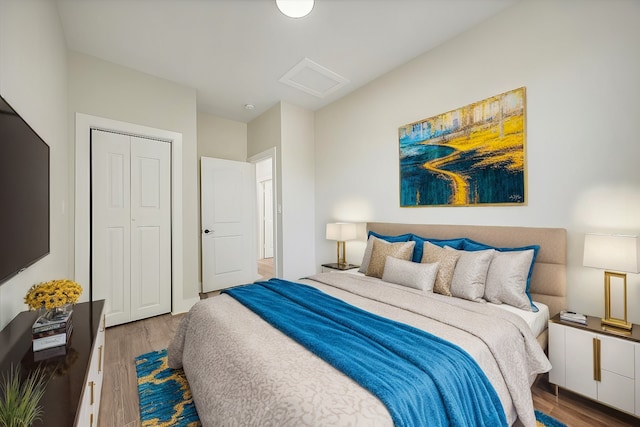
[[234, 52]]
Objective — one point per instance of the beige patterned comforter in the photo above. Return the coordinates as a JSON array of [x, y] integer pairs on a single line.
[[243, 372]]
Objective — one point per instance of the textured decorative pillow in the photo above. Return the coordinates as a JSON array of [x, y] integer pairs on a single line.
[[470, 245], [417, 252], [381, 250], [367, 252], [410, 274], [507, 279], [447, 262], [470, 274]]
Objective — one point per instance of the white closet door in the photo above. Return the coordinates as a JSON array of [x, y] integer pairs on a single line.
[[111, 224], [131, 226], [150, 225]]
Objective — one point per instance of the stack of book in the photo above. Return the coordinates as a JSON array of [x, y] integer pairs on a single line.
[[571, 316], [51, 335]]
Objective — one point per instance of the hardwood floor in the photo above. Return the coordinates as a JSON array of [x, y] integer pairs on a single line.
[[119, 405], [265, 268], [575, 410]]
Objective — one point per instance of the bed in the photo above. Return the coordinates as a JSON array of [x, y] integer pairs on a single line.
[[244, 370]]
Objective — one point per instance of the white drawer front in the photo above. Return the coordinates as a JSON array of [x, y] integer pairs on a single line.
[[557, 354], [637, 346], [579, 367], [618, 391], [617, 356]]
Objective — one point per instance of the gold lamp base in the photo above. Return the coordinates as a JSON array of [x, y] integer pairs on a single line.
[[342, 254], [608, 320], [617, 323]]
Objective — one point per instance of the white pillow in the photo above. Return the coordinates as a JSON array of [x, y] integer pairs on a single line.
[[411, 274], [507, 279], [470, 274]]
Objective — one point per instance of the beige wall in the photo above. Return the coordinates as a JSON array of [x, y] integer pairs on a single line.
[[264, 133], [579, 62], [290, 129], [33, 79], [103, 89], [581, 82], [221, 138], [298, 196]]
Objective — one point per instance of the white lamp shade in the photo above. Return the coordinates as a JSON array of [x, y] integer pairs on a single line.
[[612, 252], [342, 231], [295, 8]]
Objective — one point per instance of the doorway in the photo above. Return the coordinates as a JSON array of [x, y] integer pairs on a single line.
[[264, 185], [265, 164]]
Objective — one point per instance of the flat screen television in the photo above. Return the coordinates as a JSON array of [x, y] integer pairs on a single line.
[[24, 194]]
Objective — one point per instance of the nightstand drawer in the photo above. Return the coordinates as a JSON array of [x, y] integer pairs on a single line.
[[596, 362], [617, 356], [617, 391]]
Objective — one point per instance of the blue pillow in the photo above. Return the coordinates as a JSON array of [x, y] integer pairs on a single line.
[[418, 249], [471, 245], [391, 239]]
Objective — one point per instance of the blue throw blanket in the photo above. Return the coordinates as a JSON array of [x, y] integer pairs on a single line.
[[423, 380]]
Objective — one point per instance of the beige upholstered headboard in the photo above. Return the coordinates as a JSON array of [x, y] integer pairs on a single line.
[[548, 281]]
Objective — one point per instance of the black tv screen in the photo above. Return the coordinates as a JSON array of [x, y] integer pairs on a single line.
[[24, 194]]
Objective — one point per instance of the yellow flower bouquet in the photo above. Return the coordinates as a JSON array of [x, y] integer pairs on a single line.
[[53, 294]]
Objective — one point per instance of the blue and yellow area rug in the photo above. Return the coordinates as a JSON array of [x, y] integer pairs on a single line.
[[544, 420], [165, 397]]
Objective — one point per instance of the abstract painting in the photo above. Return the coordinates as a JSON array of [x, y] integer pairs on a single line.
[[471, 156]]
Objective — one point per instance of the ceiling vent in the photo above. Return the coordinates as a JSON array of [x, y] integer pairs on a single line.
[[313, 78]]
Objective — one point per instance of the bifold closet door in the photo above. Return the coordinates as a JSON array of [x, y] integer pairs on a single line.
[[131, 226]]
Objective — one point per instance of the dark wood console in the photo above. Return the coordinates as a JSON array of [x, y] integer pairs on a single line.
[[65, 393]]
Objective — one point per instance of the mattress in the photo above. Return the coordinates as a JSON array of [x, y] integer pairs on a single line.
[[536, 321], [242, 371]]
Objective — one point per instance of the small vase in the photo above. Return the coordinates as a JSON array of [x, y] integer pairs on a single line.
[[58, 312]]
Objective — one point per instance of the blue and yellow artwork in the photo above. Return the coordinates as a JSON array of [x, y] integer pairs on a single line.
[[471, 156]]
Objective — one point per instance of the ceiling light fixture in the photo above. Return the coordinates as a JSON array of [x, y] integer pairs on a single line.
[[295, 8]]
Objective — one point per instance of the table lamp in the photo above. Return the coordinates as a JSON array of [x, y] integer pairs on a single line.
[[342, 231], [617, 255]]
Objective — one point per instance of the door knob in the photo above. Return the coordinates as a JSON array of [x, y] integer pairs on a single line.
[[207, 231]]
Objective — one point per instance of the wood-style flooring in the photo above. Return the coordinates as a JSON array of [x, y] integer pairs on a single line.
[[265, 268], [119, 405]]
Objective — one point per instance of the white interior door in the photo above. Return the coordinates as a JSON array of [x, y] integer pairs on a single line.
[[228, 215], [131, 226], [150, 228], [111, 224]]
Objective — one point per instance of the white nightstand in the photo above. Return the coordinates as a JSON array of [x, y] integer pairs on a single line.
[[334, 267], [597, 362]]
